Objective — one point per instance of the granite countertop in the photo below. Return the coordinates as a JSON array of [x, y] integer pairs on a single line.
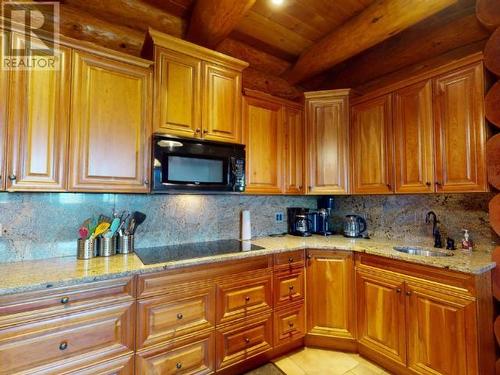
[[57, 272]]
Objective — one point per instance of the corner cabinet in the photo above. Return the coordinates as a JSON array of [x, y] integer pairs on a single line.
[[460, 130], [371, 146], [38, 125], [327, 140], [197, 90], [110, 125], [273, 132], [331, 312]]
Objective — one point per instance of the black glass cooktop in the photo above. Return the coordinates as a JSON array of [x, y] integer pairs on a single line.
[[162, 254]]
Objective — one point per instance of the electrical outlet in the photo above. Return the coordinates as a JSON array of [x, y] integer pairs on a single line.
[[279, 217], [1, 230]]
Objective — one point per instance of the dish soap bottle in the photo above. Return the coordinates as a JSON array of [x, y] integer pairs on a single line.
[[467, 242]]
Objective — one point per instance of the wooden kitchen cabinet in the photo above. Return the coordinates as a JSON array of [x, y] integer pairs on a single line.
[[221, 115], [441, 330], [110, 125], [263, 135], [177, 91], [460, 130], [294, 150], [413, 139], [198, 91], [371, 146], [381, 314], [39, 125], [331, 312], [4, 105], [327, 140]]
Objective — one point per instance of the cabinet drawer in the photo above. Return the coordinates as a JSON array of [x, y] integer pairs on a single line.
[[244, 296], [240, 342], [288, 287], [294, 258], [118, 366], [86, 338], [164, 318], [182, 357], [289, 324], [19, 308]]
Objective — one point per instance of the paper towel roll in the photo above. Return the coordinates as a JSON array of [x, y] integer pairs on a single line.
[[246, 227]]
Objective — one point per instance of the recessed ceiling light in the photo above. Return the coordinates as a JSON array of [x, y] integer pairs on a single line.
[[277, 2]]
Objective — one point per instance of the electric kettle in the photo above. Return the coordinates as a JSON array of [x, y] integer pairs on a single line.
[[354, 226]]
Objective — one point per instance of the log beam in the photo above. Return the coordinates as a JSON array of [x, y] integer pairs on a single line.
[[493, 161], [492, 105], [378, 22], [492, 53], [494, 211], [213, 20], [488, 13]]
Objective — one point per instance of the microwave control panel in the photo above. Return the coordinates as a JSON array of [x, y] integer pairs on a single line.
[[238, 168]]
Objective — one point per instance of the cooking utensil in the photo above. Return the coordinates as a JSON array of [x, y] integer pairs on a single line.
[[83, 233], [131, 226], [101, 228], [123, 218], [113, 228], [104, 219], [138, 218]]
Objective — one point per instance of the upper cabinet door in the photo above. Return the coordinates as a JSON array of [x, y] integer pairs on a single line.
[[413, 139], [263, 136], [110, 125], [4, 104], [327, 124], [460, 131], [372, 147], [221, 104], [177, 94], [38, 126], [294, 151]]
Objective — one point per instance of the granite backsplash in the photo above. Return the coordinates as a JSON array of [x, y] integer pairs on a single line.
[[44, 225], [402, 217]]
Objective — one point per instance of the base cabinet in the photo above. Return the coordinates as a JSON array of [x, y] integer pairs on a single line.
[[331, 314]]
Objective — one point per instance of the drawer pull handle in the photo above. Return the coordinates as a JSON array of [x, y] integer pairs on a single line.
[[290, 324], [64, 300], [63, 345], [290, 260], [247, 340], [178, 365], [291, 287], [247, 298], [180, 316]]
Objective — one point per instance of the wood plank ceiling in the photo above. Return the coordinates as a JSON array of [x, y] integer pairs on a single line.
[[273, 38]]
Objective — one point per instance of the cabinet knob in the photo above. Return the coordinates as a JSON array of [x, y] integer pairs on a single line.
[[198, 130], [63, 345], [178, 365], [428, 183], [247, 298], [309, 256], [408, 293], [205, 131], [12, 177], [291, 287], [64, 300], [438, 183], [290, 324], [398, 290], [180, 316], [290, 260], [389, 186], [146, 181], [247, 340], [301, 187]]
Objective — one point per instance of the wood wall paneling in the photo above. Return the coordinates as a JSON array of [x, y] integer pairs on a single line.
[[110, 125], [413, 139], [371, 146], [460, 132]]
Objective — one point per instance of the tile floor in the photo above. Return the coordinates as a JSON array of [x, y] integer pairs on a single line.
[[310, 361]]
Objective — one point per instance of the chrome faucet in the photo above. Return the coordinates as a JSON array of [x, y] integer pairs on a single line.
[[431, 217]]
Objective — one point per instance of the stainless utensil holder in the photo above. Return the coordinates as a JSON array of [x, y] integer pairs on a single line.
[[86, 249], [107, 246], [126, 244]]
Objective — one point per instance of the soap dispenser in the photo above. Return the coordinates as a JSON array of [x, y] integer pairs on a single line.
[[467, 242]]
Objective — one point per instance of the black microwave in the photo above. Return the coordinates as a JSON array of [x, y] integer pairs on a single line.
[[185, 165]]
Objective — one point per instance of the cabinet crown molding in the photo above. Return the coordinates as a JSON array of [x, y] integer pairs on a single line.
[[157, 38]]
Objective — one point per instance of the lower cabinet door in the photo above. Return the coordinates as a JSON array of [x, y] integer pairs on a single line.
[[236, 343], [61, 344], [188, 356], [289, 324], [331, 312], [381, 315], [441, 331], [118, 366]]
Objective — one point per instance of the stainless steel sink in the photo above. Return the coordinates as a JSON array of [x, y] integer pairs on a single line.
[[422, 251]]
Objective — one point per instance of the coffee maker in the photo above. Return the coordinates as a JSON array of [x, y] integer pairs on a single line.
[[322, 223], [299, 223]]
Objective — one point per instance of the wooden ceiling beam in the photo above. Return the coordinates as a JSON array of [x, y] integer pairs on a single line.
[[409, 47], [378, 22], [488, 13], [213, 20]]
